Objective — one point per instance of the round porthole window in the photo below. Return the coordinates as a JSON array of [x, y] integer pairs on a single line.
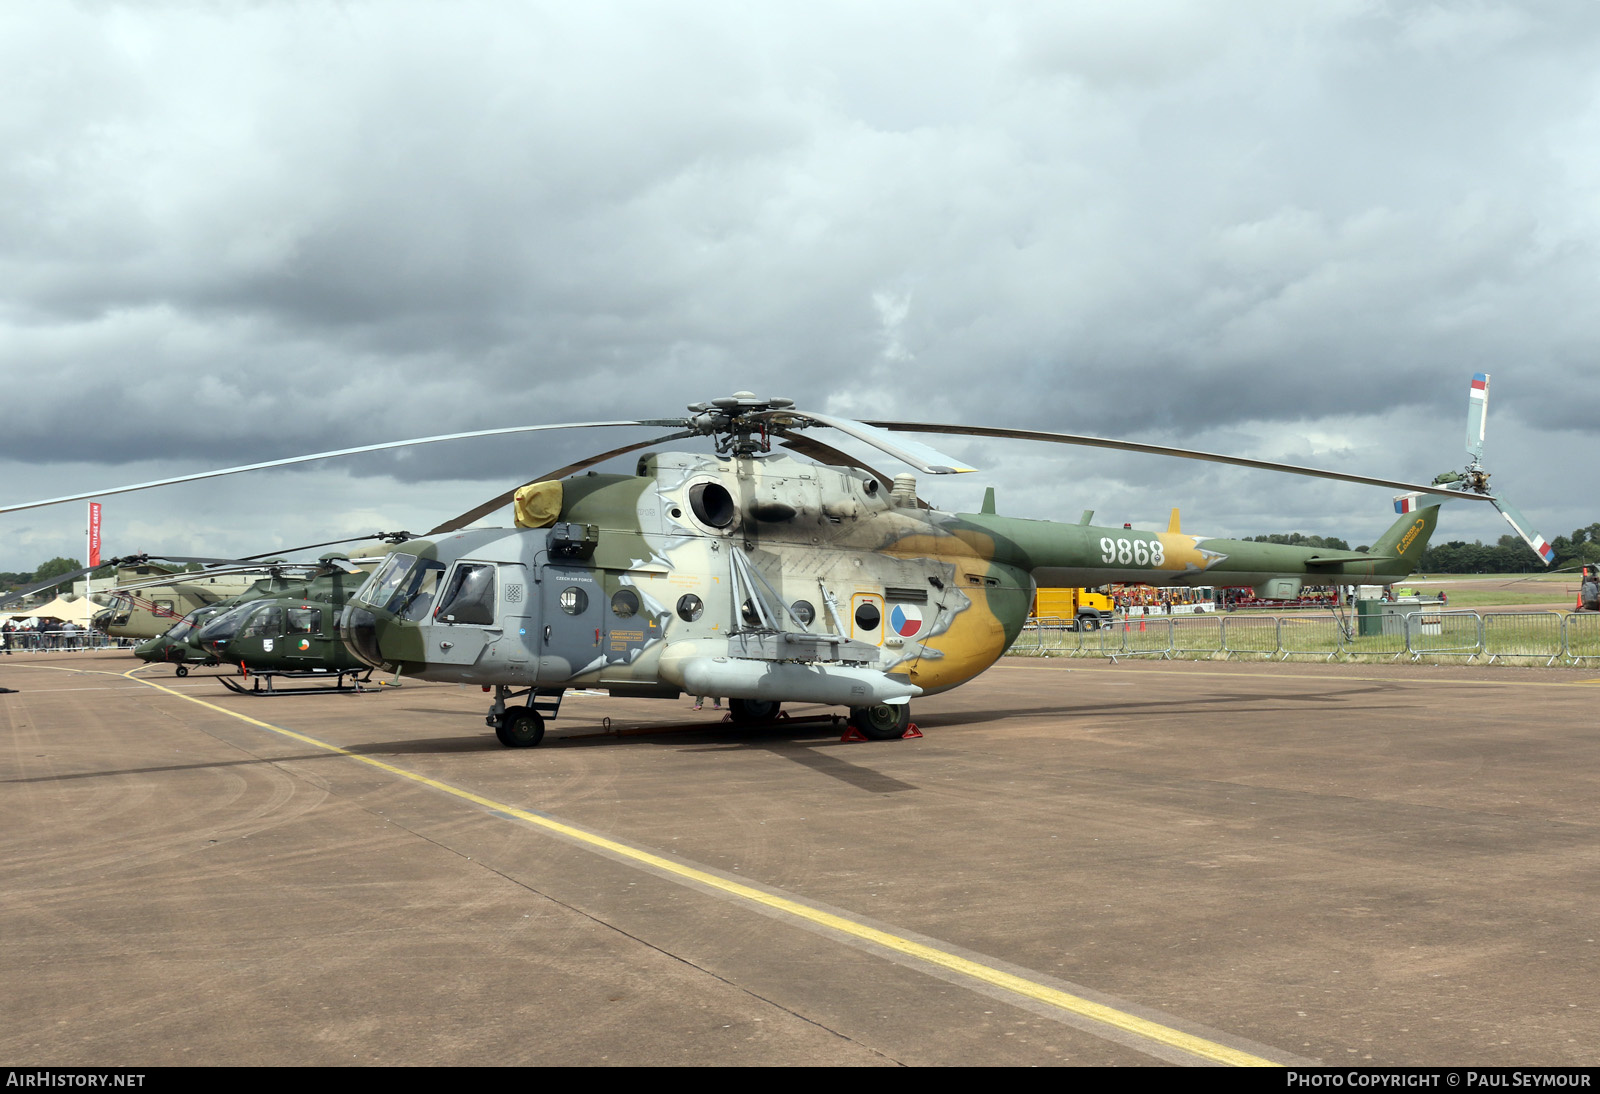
[[574, 600], [625, 603], [868, 617], [690, 607], [803, 611]]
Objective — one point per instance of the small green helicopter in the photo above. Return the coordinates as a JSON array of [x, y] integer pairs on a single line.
[[765, 579], [285, 626]]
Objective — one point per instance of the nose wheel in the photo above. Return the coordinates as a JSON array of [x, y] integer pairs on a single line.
[[520, 727]]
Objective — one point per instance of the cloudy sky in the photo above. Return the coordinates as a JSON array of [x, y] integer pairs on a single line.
[[233, 232]]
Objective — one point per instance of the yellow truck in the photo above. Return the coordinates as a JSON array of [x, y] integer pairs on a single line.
[[1080, 609]]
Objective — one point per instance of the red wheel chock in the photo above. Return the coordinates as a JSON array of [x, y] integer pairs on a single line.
[[852, 734]]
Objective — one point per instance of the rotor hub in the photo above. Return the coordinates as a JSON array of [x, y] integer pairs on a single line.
[[738, 422]]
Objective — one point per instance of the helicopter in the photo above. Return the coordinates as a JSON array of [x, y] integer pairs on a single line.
[[765, 579], [284, 626]]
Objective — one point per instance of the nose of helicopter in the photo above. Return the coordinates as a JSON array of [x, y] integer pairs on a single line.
[[358, 628]]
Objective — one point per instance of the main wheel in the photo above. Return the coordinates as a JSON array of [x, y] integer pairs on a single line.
[[183, 670], [520, 727], [752, 712], [884, 722]]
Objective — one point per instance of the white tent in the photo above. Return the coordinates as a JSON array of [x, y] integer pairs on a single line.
[[77, 609]]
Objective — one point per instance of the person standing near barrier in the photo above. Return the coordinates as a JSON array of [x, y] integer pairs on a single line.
[[5, 636]]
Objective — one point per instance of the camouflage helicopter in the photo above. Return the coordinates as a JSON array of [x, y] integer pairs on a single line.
[[283, 626], [752, 575]]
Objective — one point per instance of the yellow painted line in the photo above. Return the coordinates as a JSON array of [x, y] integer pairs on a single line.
[[932, 955]]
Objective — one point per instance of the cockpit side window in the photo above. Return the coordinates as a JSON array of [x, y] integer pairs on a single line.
[[265, 622], [469, 595]]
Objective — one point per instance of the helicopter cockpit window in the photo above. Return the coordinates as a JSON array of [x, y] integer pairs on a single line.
[[265, 622], [712, 504], [191, 622], [382, 585], [413, 598], [469, 595], [224, 626], [624, 603]]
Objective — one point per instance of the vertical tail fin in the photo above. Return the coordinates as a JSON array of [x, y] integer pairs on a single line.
[[1406, 539]]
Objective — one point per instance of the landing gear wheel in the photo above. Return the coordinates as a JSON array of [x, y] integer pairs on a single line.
[[752, 712], [183, 670], [884, 722], [520, 727]]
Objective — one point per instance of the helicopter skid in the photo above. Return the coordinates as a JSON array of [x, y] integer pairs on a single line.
[[357, 677]]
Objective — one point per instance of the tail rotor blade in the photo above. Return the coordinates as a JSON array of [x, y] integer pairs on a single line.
[[1477, 413], [1533, 539]]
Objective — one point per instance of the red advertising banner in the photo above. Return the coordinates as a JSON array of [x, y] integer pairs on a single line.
[[94, 533]]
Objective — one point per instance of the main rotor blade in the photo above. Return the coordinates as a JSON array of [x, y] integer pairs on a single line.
[[923, 457], [1164, 450], [1477, 415], [455, 524], [1520, 524], [326, 456]]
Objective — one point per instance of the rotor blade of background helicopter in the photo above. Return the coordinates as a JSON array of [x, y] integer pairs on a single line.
[[328, 455], [1163, 450], [392, 537], [62, 579], [827, 454], [216, 567], [455, 524], [1477, 414], [923, 457], [1519, 522], [47, 583]]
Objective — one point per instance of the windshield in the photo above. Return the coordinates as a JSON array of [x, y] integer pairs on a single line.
[[405, 586], [182, 628], [381, 586], [224, 626]]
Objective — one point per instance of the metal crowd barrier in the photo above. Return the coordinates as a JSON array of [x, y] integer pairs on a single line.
[[1444, 634], [1551, 637], [1196, 634], [1310, 636], [1250, 634], [1583, 637], [1523, 634], [56, 641], [1138, 636]]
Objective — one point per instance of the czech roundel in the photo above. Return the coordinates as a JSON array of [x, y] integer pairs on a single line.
[[906, 620]]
